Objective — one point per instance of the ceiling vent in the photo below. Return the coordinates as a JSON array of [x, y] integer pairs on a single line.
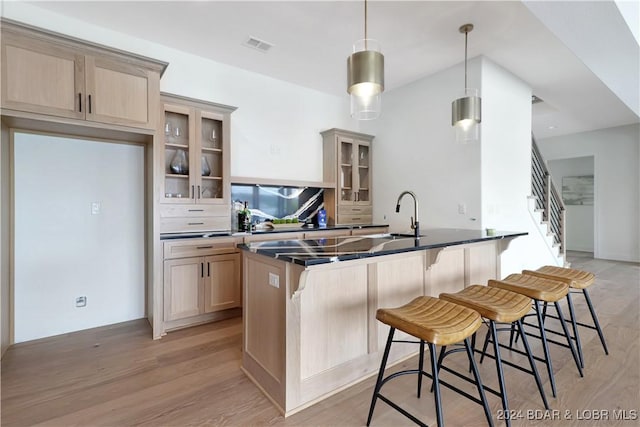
[[258, 44], [535, 99]]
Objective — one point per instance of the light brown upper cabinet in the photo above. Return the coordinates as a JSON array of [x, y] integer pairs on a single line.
[[347, 161], [194, 160], [55, 75]]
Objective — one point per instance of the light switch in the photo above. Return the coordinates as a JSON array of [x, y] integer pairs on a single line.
[[95, 208], [462, 208], [274, 280]]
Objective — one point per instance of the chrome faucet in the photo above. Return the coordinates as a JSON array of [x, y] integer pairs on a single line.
[[415, 225]]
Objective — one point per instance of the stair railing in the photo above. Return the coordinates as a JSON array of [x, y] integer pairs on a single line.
[[547, 198]]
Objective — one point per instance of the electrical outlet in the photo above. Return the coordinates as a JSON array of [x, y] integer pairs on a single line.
[[95, 208], [81, 301], [274, 280], [462, 208]]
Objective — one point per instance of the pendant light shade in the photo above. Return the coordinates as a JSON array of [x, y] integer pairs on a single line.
[[365, 77], [466, 112]]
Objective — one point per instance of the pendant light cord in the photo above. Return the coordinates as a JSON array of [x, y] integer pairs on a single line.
[[365, 25], [466, 34]]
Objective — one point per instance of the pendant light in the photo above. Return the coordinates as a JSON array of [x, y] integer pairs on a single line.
[[365, 77], [466, 112]]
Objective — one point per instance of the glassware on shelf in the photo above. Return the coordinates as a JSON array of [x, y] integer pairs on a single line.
[[177, 132], [179, 163], [168, 131], [206, 169]]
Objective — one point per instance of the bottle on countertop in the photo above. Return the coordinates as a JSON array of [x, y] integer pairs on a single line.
[[244, 218], [322, 218]]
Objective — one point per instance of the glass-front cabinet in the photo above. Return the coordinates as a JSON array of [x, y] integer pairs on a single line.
[[354, 171], [194, 162], [347, 158], [195, 151]]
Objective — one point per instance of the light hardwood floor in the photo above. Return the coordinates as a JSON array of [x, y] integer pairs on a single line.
[[118, 376]]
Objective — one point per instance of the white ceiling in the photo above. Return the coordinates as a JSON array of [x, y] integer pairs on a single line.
[[312, 40]]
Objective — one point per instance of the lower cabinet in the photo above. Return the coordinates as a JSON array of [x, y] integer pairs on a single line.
[[199, 285], [202, 281]]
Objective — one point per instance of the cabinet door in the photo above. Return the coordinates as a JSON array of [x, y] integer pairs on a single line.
[[42, 77], [183, 282], [118, 92], [177, 154], [347, 186], [210, 160], [221, 282], [362, 174]]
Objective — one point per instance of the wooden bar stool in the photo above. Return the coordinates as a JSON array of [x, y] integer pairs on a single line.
[[435, 322], [506, 307], [542, 290], [578, 280]]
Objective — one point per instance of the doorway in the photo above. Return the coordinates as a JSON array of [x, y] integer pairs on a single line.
[[576, 180]]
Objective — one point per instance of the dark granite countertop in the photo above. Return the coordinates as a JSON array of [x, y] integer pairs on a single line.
[[326, 250], [170, 236]]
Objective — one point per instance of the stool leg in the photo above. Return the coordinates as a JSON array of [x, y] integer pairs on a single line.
[[383, 364], [443, 349], [503, 391], [436, 383], [595, 320], [532, 362], [476, 374], [545, 347], [484, 346], [569, 340], [420, 367], [576, 334]]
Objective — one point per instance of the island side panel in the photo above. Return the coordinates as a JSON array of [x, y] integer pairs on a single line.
[[264, 318], [334, 315], [400, 279]]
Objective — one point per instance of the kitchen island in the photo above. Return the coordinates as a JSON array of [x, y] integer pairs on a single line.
[[309, 305]]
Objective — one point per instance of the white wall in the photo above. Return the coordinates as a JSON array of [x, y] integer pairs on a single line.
[[506, 167], [63, 251], [275, 132], [492, 178], [415, 149], [616, 154], [580, 219]]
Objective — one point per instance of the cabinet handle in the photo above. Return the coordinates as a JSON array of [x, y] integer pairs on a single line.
[[204, 247], [89, 104], [193, 192], [196, 210], [356, 219], [196, 223], [356, 210], [202, 269], [198, 191], [208, 269], [80, 102]]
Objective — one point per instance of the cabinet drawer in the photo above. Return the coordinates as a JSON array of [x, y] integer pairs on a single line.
[[179, 225], [193, 211], [199, 247], [355, 210], [355, 219]]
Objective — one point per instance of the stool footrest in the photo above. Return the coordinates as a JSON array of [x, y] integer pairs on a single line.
[[469, 380]]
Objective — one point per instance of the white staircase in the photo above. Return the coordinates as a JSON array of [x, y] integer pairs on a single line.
[[546, 207], [544, 229]]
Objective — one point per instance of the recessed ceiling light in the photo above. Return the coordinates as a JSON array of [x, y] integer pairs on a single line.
[[256, 43], [552, 127]]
